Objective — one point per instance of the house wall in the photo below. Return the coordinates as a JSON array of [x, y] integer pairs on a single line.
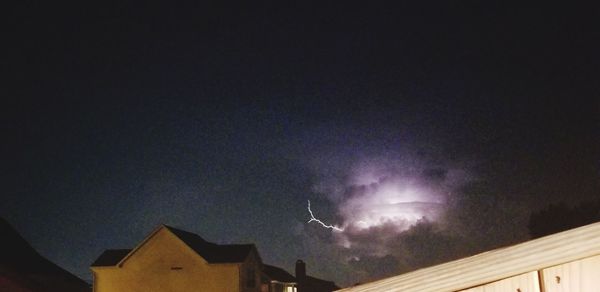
[[165, 263], [250, 269], [281, 287]]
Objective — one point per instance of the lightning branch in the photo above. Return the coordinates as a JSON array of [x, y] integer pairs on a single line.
[[313, 219]]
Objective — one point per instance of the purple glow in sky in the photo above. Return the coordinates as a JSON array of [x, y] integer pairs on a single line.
[[390, 194]]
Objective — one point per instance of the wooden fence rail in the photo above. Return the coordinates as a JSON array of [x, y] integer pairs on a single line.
[[567, 262]]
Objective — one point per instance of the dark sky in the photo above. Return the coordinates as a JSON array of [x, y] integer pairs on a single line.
[[225, 119]]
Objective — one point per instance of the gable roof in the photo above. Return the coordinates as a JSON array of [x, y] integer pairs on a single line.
[[110, 257], [211, 252], [278, 274]]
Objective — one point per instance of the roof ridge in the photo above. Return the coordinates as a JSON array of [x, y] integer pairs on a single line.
[[209, 242], [183, 231], [110, 257], [209, 251]]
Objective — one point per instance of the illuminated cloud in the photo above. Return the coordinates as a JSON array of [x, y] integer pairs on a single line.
[[379, 199]]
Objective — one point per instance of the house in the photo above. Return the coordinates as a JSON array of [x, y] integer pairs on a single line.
[[568, 261], [308, 283], [279, 280], [170, 259], [276, 279]]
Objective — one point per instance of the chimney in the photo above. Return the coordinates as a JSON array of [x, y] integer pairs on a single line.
[[300, 276], [300, 270]]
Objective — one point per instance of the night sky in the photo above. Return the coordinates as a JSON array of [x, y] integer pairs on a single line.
[[424, 131]]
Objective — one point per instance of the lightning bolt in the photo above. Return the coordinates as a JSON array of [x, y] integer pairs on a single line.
[[312, 218]]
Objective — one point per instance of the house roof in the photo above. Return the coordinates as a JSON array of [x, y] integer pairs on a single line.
[[309, 283], [110, 257], [211, 252], [22, 268], [278, 274], [316, 284]]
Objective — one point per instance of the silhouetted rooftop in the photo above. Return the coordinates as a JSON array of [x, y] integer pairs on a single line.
[[110, 257], [278, 274], [211, 252], [22, 268], [309, 283], [316, 284]]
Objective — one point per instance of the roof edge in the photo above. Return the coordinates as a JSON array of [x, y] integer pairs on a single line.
[[134, 250]]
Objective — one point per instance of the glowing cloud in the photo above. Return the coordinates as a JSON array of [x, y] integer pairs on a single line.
[[380, 199], [389, 202]]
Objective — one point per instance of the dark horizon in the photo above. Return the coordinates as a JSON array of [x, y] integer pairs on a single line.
[[224, 120]]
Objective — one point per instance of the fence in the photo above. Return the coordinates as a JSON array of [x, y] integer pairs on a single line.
[[567, 262]]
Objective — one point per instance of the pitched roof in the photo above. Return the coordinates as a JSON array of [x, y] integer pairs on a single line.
[[278, 274], [309, 283], [110, 257], [316, 284], [211, 252], [22, 268]]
